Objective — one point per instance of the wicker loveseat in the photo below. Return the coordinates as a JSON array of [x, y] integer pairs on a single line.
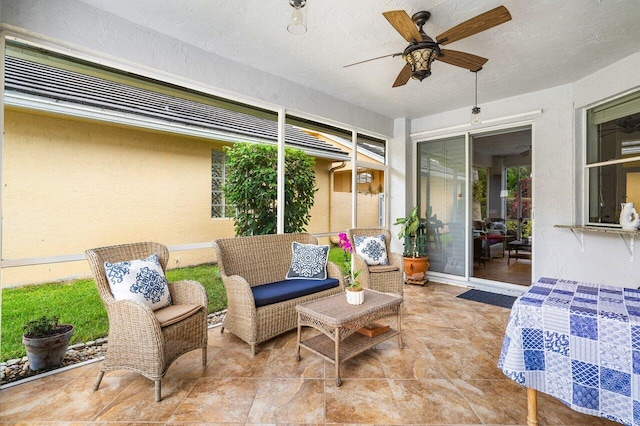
[[246, 263]]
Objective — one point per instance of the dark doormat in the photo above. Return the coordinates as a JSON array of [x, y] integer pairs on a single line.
[[489, 298]]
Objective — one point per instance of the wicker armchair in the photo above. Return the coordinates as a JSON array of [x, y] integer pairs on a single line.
[[246, 262], [143, 340], [385, 278]]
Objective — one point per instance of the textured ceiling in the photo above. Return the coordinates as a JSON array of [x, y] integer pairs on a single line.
[[546, 44]]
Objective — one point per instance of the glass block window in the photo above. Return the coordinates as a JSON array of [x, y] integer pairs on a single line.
[[365, 177], [219, 208]]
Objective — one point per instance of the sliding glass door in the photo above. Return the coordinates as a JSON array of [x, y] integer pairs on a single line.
[[474, 201], [442, 200], [501, 220]]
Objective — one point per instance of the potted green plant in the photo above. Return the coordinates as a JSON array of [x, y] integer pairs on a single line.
[[353, 287], [46, 342], [355, 295], [415, 265]]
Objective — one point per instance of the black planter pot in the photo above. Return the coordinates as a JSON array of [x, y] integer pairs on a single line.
[[47, 352]]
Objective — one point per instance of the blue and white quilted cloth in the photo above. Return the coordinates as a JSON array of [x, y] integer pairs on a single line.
[[580, 343]]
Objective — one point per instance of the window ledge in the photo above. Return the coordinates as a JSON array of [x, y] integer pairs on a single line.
[[623, 233], [601, 229]]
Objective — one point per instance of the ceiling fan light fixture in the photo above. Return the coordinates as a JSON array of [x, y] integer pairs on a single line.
[[475, 116], [420, 56], [475, 111], [298, 23]]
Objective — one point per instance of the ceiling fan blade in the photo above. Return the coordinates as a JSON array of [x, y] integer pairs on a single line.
[[462, 59], [403, 77], [372, 59], [403, 24], [482, 22]]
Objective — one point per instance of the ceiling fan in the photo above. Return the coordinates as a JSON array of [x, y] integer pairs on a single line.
[[423, 50]]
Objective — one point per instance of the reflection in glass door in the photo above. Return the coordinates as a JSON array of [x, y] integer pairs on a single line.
[[518, 207], [442, 203]]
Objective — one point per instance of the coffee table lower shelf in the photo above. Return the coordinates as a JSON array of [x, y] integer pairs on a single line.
[[353, 345]]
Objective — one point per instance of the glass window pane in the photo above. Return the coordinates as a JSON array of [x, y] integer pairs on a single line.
[[370, 181], [371, 198], [613, 130], [340, 197], [605, 194], [331, 210], [615, 140], [371, 149]]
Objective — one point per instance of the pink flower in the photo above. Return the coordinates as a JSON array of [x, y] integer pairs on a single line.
[[344, 242]]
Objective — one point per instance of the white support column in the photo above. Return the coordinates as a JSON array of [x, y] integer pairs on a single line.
[[401, 177], [354, 179], [469, 208], [281, 177], [2, 47]]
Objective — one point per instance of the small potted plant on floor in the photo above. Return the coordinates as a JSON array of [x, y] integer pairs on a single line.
[[415, 265], [46, 342]]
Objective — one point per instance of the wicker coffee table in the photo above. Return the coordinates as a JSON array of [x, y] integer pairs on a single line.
[[339, 323]]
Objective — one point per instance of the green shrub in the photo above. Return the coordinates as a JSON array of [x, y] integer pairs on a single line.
[[252, 187]]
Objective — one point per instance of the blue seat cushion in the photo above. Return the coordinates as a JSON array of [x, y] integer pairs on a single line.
[[280, 291]]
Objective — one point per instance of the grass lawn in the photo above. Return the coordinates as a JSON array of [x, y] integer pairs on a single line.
[[78, 303], [336, 255]]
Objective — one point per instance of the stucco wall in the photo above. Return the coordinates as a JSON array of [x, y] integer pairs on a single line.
[[72, 185], [320, 219], [341, 211], [342, 182]]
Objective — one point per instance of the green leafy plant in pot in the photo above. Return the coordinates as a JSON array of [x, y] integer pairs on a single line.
[[355, 295], [46, 342], [415, 265]]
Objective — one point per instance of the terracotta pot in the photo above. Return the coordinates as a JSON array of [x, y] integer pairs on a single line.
[[47, 352], [355, 297], [415, 268]]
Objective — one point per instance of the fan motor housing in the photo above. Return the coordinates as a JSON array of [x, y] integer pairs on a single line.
[[421, 18]]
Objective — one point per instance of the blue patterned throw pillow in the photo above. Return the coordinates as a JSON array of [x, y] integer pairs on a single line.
[[372, 249], [142, 280], [308, 262]]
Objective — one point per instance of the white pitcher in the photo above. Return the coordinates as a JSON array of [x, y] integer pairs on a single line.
[[629, 217]]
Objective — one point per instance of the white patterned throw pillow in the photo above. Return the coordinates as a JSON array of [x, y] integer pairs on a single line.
[[308, 262], [372, 249], [142, 280]]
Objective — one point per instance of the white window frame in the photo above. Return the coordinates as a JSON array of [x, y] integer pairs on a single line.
[[588, 166]]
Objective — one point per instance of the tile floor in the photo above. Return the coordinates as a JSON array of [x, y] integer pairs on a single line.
[[445, 375]]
